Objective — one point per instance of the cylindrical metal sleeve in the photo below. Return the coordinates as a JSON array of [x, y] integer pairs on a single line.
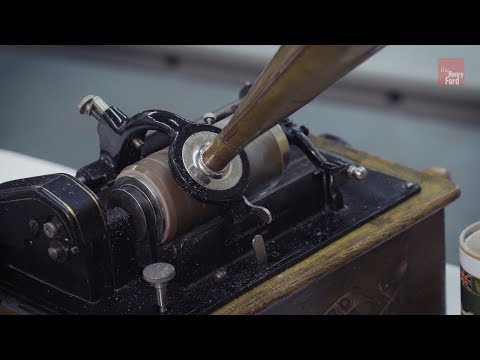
[[177, 212], [295, 75], [267, 156]]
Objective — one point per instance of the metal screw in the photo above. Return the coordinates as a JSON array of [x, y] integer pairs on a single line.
[[137, 142], [57, 252], [409, 185], [357, 171], [159, 274], [92, 105], [220, 274], [209, 118], [34, 227], [50, 229]]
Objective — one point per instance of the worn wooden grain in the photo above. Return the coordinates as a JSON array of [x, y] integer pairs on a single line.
[[437, 192]]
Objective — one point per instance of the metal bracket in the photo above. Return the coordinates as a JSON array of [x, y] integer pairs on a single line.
[[262, 212]]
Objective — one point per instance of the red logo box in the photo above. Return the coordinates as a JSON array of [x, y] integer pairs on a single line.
[[451, 72]]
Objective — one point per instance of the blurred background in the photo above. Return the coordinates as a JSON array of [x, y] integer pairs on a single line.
[[390, 106]]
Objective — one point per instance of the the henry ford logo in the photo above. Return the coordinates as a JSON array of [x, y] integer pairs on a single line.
[[451, 71]]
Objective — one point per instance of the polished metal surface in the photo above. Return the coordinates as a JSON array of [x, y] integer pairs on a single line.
[[357, 171], [221, 113], [92, 105], [223, 179], [268, 158], [295, 75], [159, 273], [209, 118], [259, 249]]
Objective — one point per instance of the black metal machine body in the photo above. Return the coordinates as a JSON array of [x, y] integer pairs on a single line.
[[64, 249]]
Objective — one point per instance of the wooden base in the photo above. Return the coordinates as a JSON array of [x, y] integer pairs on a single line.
[[393, 264], [404, 275]]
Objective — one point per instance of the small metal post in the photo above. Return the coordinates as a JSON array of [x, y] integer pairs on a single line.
[[159, 274]]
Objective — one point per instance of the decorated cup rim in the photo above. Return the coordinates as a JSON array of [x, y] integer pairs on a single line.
[[469, 230]]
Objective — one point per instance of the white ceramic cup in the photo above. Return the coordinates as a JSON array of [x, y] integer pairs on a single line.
[[470, 269]]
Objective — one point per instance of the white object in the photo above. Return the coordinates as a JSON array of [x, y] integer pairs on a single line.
[[452, 289], [470, 249], [469, 242], [18, 166]]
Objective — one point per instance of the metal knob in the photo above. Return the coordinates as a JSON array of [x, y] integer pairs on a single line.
[[159, 274], [209, 118], [92, 105], [52, 228], [357, 171], [57, 252]]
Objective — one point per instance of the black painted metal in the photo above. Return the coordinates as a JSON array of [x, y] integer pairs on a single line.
[[288, 240], [159, 140], [301, 226], [98, 174], [314, 204], [119, 243], [118, 151], [294, 235], [24, 253]]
